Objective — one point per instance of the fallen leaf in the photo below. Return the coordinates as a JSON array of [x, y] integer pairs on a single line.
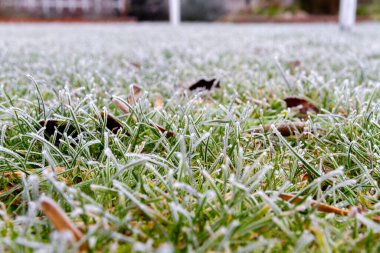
[[295, 63], [134, 95], [59, 219], [162, 130], [13, 174], [59, 126], [18, 173], [321, 206], [158, 103], [303, 105], [57, 169], [112, 123], [205, 84], [135, 64], [7, 188], [285, 128], [119, 104], [304, 177]]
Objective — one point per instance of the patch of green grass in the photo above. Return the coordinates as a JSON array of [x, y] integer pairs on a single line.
[[214, 185]]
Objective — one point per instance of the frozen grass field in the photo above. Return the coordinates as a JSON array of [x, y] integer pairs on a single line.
[[213, 181]]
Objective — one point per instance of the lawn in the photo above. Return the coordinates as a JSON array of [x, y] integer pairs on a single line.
[[99, 121]]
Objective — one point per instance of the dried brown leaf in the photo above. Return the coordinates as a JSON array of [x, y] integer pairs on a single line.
[[205, 84], [285, 128], [158, 103], [18, 173], [59, 218], [135, 64], [303, 105], [57, 169], [112, 123], [162, 129], [59, 126], [122, 106], [295, 63], [7, 188], [13, 174], [134, 95]]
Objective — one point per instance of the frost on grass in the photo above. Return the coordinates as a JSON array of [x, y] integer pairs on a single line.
[[192, 173]]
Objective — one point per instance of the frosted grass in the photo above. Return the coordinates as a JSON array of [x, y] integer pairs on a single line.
[[215, 185]]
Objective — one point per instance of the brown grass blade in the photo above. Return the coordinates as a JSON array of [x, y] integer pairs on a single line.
[[59, 218]]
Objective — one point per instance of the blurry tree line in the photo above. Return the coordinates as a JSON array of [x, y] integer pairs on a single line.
[[191, 10], [209, 10]]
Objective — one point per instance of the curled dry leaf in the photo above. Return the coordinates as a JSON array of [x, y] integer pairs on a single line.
[[135, 64], [13, 174], [295, 63], [285, 128], [205, 84], [112, 123], [59, 126], [18, 173], [119, 104], [134, 95], [162, 129], [321, 206], [302, 104], [57, 169], [10, 189], [158, 103], [6, 189], [59, 218]]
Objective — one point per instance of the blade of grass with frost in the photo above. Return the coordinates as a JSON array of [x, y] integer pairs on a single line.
[[304, 241], [213, 186], [258, 246], [368, 223], [40, 98], [16, 156], [228, 235], [153, 214], [270, 202], [283, 75], [309, 168], [41, 139], [80, 150], [159, 176]]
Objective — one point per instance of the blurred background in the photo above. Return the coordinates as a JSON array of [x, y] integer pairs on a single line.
[[192, 10]]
